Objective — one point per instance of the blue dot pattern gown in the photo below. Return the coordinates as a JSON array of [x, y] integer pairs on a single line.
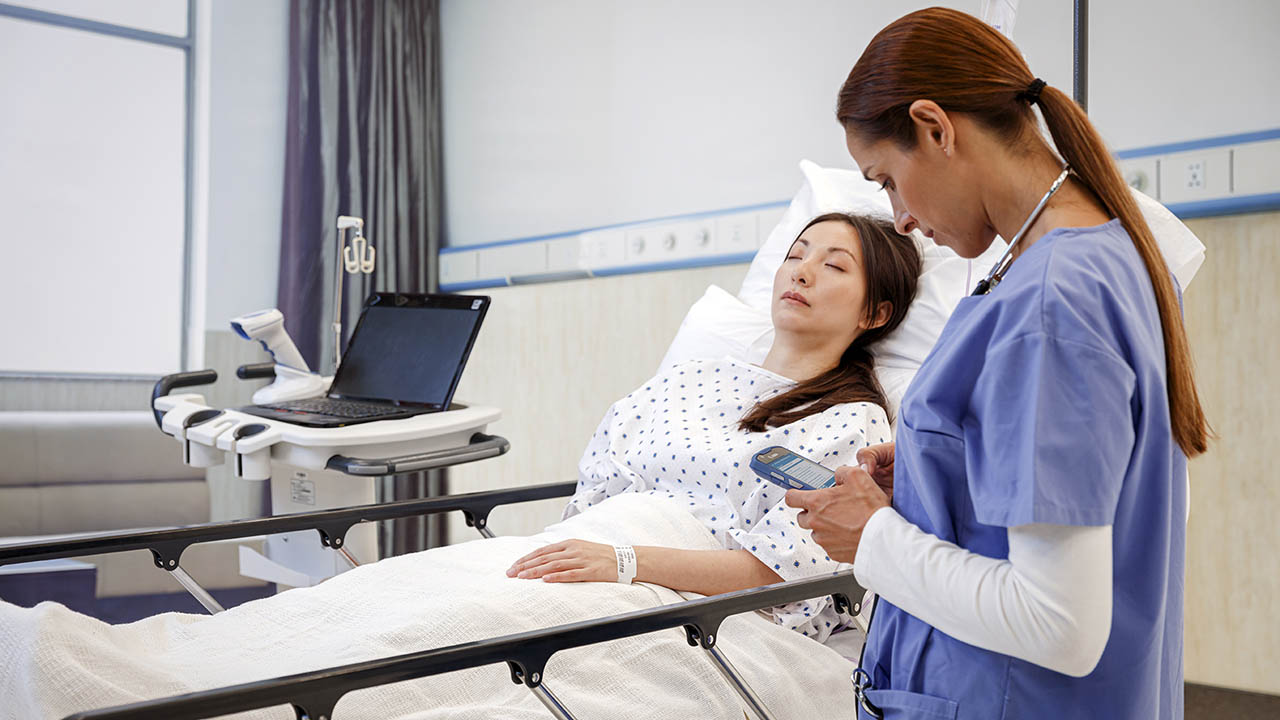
[[677, 436]]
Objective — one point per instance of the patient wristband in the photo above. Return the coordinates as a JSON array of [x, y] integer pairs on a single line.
[[626, 563]]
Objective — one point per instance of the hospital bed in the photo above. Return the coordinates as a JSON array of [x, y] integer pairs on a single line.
[[313, 695]]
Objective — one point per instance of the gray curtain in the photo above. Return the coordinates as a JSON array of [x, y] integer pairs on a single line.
[[363, 139]]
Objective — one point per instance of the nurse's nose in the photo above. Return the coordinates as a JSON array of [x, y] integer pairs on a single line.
[[904, 223]]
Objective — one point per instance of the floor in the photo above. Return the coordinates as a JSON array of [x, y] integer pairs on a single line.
[[1210, 703]]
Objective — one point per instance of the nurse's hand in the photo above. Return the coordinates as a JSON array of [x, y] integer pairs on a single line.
[[568, 561], [837, 514], [878, 460]]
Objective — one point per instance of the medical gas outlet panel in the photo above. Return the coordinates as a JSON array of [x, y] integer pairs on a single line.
[[720, 238], [1217, 176]]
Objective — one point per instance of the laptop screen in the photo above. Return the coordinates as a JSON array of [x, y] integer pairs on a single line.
[[410, 348]]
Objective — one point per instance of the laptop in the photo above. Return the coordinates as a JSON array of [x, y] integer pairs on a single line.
[[405, 358]]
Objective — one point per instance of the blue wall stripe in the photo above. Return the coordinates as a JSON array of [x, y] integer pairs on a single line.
[[473, 285], [572, 233], [94, 26], [1226, 206], [695, 262], [1249, 137], [676, 264]]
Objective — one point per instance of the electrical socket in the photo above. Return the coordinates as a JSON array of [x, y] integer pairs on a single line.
[[1194, 175]]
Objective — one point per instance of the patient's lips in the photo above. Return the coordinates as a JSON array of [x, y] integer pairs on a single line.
[[794, 297]]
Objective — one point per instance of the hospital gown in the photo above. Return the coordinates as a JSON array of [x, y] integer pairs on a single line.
[[678, 437]]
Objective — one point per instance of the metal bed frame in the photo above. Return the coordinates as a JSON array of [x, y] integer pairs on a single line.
[[313, 695]]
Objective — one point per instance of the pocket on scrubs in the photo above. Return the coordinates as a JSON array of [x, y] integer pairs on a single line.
[[900, 704]]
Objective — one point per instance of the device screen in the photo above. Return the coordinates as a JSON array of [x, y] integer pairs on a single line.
[[804, 470], [407, 354]]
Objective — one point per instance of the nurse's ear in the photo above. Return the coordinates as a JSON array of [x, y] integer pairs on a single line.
[[934, 130]]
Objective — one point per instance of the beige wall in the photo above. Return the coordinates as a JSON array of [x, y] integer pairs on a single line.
[[554, 357], [1233, 543]]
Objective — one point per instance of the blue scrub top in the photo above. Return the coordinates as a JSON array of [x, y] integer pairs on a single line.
[[1045, 402]]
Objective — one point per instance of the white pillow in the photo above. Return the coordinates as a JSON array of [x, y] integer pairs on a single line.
[[824, 190], [1182, 250], [720, 324]]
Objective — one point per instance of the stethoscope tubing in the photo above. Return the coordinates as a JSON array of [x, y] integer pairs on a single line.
[[993, 278]]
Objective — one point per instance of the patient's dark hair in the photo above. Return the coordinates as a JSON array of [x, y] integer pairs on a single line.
[[891, 269]]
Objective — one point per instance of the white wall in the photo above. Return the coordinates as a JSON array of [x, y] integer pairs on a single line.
[[248, 88], [566, 114]]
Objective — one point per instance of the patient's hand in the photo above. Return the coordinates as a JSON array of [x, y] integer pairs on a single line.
[[878, 460], [568, 561], [838, 514]]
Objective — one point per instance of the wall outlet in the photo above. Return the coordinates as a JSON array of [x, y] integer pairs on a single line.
[[696, 238], [737, 233], [1194, 175], [641, 245]]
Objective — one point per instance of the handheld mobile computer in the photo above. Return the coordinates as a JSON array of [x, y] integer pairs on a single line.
[[780, 466]]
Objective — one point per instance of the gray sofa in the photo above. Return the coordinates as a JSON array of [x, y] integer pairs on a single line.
[[76, 472], [69, 472]]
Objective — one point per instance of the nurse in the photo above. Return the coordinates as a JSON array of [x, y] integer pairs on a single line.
[[1029, 554]]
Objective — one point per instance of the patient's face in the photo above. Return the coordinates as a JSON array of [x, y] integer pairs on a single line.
[[821, 287]]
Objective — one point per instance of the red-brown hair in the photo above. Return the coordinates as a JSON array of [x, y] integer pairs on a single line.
[[891, 271], [965, 66]]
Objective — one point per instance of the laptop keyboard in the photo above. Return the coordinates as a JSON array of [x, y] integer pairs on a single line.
[[334, 408]]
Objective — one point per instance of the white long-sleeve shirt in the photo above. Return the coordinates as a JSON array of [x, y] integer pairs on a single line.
[[1048, 603]]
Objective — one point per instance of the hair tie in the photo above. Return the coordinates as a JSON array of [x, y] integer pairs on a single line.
[[1032, 94]]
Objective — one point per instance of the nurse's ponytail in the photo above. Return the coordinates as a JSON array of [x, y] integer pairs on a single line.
[[966, 66], [1080, 145]]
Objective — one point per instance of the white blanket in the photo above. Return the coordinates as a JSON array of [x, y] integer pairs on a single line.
[[54, 662]]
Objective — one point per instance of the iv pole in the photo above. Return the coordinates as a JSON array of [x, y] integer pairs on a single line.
[[1080, 42], [359, 258]]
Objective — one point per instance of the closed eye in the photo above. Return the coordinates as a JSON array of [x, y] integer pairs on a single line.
[[835, 267]]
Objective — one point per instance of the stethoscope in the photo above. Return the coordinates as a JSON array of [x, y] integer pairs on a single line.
[[994, 277]]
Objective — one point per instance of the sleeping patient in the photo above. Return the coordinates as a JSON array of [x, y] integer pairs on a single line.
[[667, 471], [688, 434]]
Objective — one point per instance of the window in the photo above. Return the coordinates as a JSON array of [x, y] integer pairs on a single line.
[[94, 187]]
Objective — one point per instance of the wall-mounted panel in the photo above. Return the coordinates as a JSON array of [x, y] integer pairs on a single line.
[[1211, 176], [714, 238]]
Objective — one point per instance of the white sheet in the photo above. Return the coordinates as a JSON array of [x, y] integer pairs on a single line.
[[54, 662]]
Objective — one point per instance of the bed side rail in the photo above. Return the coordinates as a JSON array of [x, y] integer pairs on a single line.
[[167, 545], [313, 695]]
